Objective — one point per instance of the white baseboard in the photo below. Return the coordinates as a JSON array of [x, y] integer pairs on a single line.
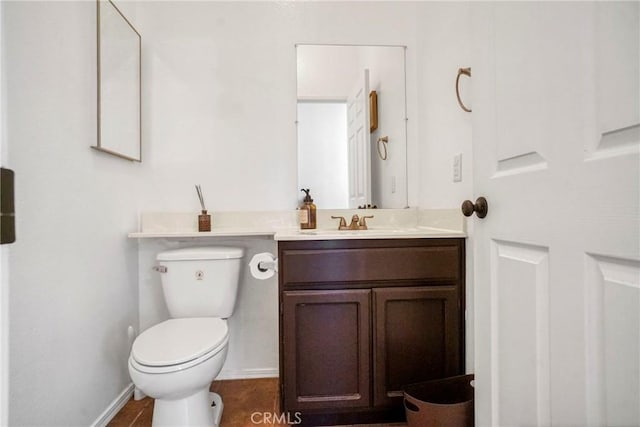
[[113, 408], [122, 399], [240, 374]]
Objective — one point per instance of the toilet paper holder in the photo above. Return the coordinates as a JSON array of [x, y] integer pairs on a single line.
[[263, 265], [268, 265]]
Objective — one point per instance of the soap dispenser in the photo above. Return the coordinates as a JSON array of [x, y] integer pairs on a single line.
[[307, 212]]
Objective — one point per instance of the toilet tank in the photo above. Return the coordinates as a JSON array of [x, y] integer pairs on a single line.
[[201, 281]]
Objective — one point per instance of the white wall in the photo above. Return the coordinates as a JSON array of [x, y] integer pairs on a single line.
[[327, 72], [220, 93], [73, 287], [388, 80], [445, 129]]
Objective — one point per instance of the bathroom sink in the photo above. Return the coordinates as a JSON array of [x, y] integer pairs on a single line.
[[358, 232], [372, 233]]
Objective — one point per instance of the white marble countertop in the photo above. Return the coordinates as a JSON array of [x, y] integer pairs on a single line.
[[323, 234], [387, 224], [216, 232]]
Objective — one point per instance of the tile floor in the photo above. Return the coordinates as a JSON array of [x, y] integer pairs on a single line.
[[241, 399]]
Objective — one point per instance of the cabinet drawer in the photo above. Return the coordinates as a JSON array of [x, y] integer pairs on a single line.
[[372, 264]]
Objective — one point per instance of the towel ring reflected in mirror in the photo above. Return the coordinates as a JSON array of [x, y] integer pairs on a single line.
[[466, 72], [382, 141]]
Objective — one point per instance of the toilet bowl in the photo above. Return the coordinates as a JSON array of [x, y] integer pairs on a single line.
[[175, 361]]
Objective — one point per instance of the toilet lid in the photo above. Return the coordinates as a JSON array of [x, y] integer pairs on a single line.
[[178, 341]]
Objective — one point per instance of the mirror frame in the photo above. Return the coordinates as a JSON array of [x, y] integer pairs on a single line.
[[99, 145]]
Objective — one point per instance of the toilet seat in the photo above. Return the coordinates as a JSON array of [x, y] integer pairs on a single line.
[[178, 344]]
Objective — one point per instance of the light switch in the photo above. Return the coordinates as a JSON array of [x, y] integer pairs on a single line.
[[457, 167]]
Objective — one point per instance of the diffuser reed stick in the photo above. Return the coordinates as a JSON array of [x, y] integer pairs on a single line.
[[199, 191], [204, 219]]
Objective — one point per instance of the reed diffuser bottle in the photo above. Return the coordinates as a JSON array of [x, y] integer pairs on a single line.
[[204, 219]]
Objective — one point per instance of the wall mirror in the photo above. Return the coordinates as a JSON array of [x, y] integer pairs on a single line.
[[119, 76], [345, 161]]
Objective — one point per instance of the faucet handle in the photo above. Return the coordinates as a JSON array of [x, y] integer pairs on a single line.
[[363, 222], [354, 223], [343, 222]]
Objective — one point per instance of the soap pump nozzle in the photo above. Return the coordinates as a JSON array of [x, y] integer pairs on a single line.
[[307, 197]]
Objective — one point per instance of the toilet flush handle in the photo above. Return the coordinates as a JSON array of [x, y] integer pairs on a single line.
[[160, 268]]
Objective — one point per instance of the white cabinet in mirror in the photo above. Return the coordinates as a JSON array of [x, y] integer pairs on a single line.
[[338, 153], [119, 67]]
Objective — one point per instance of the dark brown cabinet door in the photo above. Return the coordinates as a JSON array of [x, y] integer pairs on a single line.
[[326, 346], [416, 338]]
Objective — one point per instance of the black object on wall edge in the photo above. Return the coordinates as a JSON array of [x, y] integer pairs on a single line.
[[7, 207]]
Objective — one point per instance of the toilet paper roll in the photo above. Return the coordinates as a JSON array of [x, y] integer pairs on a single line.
[[254, 267]]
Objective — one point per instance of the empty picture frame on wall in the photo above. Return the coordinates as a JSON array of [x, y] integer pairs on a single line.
[[119, 84]]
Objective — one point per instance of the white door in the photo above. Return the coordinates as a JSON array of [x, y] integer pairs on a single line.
[[556, 131], [322, 152], [359, 142]]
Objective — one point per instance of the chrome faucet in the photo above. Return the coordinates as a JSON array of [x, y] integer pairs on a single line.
[[357, 223]]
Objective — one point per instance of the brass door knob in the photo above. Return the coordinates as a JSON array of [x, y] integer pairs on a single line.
[[481, 207]]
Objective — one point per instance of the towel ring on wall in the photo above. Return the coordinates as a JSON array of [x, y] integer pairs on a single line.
[[466, 72], [383, 140]]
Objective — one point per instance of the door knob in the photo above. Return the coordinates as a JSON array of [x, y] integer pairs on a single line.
[[481, 207]]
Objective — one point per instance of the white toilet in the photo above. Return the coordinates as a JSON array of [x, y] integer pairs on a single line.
[[175, 361]]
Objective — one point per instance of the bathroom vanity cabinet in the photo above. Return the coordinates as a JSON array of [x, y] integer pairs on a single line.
[[360, 319]]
